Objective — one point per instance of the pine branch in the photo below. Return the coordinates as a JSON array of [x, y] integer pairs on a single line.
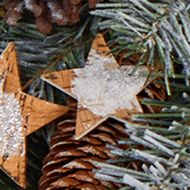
[[157, 30], [155, 152], [165, 163], [65, 47]]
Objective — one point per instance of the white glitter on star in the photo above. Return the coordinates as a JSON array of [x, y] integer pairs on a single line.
[[11, 138], [104, 89]]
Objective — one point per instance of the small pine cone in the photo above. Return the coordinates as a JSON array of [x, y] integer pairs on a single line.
[[69, 163], [61, 12]]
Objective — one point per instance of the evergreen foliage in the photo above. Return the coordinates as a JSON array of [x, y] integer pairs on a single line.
[[156, 30], [158, 34], [65, 47], [158, 140]]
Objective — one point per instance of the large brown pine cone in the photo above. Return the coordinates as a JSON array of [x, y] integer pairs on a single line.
[[69, 162], [46, 12]]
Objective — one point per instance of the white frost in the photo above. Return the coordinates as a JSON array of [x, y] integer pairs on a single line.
[[133, 182], [11, 138], [104, 88]]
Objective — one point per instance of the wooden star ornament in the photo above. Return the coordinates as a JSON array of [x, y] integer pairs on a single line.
[[102, 88], [20, 115]]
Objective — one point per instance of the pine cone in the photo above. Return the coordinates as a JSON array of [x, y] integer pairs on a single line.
[[69, 162], [46, 12]]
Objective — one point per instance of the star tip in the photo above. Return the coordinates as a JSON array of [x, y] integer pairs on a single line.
[[10, 47], [22, 184], [11, 44], [43, 77], [99, 35], [79, 134], [46, 76], [78, 137]]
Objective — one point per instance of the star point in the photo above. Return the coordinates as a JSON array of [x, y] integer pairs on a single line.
[[22, 115]]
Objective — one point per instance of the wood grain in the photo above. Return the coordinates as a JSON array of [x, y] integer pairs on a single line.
[[8, 66], [86, 122], [100, 45], [35, 114], [15, 166], [62, 80]]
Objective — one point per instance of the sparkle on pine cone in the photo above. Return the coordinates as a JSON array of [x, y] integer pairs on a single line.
[[11, 138]]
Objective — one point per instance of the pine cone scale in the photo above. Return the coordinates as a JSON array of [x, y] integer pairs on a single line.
[[72, 161]]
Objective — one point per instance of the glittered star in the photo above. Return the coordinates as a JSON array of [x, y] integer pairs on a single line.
[[102, 88], [20, 115]]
